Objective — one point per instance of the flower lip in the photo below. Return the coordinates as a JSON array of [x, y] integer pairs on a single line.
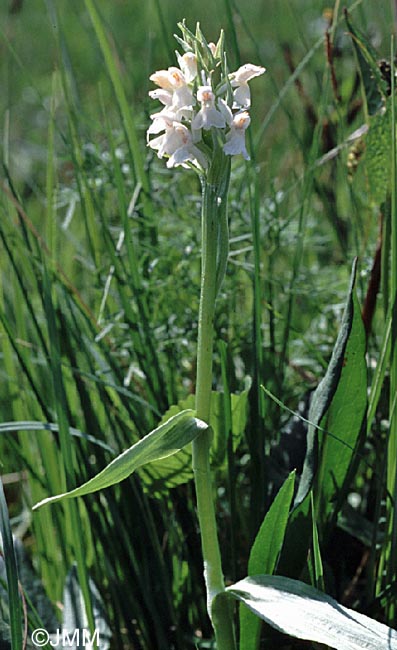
[[164, 96], [177, 78]]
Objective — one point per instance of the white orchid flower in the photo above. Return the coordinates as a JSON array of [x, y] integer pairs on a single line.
[[176, 142], [188, 64], [173, 80], [164, 96], [239, 81], [208, 115], [235, 139]]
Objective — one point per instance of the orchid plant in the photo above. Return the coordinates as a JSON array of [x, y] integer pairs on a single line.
[[203, 122]]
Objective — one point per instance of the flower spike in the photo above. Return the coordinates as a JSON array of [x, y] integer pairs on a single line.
[[202, 79]]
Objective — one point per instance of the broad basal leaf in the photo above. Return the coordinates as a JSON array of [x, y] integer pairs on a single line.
[[306, 613], [344, 382], [167, 439]]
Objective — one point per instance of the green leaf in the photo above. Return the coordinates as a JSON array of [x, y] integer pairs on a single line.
[[169, 438], [177, 469], [342, 420], [374, 86], [174, 470], [317, 563], [303, 612], [26, 425], [324, 394], [377, 158], [264, 553], [347, 365]]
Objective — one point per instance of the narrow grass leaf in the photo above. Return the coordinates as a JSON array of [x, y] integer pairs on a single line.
[[24, 425], [124, 106], [264, 553], [164, 441], [295, 608], [378, 154], [14, 605]]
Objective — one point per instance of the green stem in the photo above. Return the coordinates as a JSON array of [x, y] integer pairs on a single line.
[[214, 194]]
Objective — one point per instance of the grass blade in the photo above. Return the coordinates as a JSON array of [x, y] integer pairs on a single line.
[[15, 611]]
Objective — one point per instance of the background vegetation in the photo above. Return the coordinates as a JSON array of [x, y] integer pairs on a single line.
[[99, 289]]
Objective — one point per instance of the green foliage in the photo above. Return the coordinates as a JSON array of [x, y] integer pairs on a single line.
[[342, 423], [327, 390], [177, 469], [374, 86], [301, 611], [264, 554], [378, 155], [14, 606], [169, 438]]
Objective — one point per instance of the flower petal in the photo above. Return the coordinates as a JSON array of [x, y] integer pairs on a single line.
[[247, 72]]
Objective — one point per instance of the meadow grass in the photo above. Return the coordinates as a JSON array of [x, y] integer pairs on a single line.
[[99, 295]]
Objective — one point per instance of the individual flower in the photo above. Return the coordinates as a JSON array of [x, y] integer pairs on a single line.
[[173, 81], [176, 142], [239, 81], [188, 65], [208, 115], [164, 96], [235, 139]]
